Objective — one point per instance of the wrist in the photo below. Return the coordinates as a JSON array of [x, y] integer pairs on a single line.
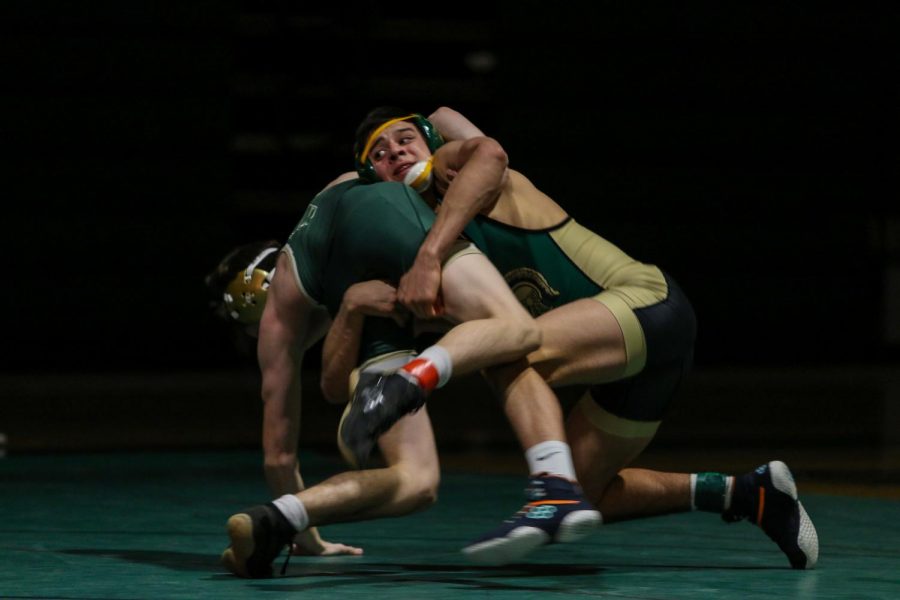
[[351, 307], [429, 254]]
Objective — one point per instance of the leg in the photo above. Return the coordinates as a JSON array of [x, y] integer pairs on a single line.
[[600, 460], [766, 497], [409, 483], [604, 444], [557, 511], [493, 328], [583, 342]]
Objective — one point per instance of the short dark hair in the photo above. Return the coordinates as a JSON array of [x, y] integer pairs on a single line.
[[376, 117]]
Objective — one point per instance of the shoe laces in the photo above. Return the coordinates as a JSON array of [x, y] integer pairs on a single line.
[[287, 559], [535, 491]]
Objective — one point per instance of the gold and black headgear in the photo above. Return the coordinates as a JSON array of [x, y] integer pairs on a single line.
[[240, 282]]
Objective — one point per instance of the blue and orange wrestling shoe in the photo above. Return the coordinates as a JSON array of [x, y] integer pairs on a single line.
[[258, 535], [767, 497], [556, 512]]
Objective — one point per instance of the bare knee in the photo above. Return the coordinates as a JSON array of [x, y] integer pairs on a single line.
[[501, 376], [419, 486], [426, 495], [531, 334]]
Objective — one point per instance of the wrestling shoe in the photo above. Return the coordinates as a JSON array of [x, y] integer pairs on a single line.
[[258, 535], [767, 497], [378, 402], [556, 512]]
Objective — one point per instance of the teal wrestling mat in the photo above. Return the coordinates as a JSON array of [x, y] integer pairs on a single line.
[[151, 525]]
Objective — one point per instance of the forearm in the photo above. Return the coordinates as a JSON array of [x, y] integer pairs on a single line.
[[280, 435], [481, 172], [452, 125], [340, 352], [284, 479], [280, 360]]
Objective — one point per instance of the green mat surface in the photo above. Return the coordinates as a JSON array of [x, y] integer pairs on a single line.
[[151, 525]]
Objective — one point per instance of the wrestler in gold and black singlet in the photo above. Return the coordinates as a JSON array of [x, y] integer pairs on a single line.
[[550, 266], [354, 232]]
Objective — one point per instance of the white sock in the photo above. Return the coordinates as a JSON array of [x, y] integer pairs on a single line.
[[293, 510], [553, 457], [440, 358]]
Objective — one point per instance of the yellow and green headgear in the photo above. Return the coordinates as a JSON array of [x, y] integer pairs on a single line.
[[375, 123]]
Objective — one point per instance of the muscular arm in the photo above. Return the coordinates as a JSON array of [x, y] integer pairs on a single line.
[[286, 330], [339, 354], [481, 165], [341, 349], [289, 325], [452, 125]]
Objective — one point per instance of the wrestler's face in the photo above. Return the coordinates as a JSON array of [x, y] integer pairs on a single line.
[[396, 149]]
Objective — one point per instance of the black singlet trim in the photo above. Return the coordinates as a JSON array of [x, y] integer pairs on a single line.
[[515, 228]]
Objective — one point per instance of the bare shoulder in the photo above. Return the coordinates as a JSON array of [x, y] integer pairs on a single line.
[[522, 204], [341, 179]]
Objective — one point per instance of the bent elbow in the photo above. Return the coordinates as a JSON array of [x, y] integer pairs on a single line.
[[490, 149], [427, 498], [442, 112]]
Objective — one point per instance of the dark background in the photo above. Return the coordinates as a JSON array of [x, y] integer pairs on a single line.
[[741, 148]]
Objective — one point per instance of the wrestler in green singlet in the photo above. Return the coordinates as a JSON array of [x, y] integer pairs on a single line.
[[350, 233]]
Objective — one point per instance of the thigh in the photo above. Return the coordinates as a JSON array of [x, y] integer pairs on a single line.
[[410, 444], [472, 288], [582, 343], [644, 397], [601, 447]]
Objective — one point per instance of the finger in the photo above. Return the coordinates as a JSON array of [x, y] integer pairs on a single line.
[[438, 306], [342, 549]]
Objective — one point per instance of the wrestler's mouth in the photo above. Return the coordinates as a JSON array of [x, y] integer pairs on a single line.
[[402, 169]]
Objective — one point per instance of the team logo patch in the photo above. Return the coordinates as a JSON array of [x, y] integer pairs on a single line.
[[532, 290], [543, 511]]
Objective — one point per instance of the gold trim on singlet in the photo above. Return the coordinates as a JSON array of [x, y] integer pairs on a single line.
[[460, 248], [610, 423], [296, 273], [627, 284]]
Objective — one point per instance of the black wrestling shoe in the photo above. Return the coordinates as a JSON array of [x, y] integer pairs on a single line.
[[767, 497], [378, 402], [258, 535]]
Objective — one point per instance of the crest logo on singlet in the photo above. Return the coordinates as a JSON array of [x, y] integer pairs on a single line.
[[532, 290]]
